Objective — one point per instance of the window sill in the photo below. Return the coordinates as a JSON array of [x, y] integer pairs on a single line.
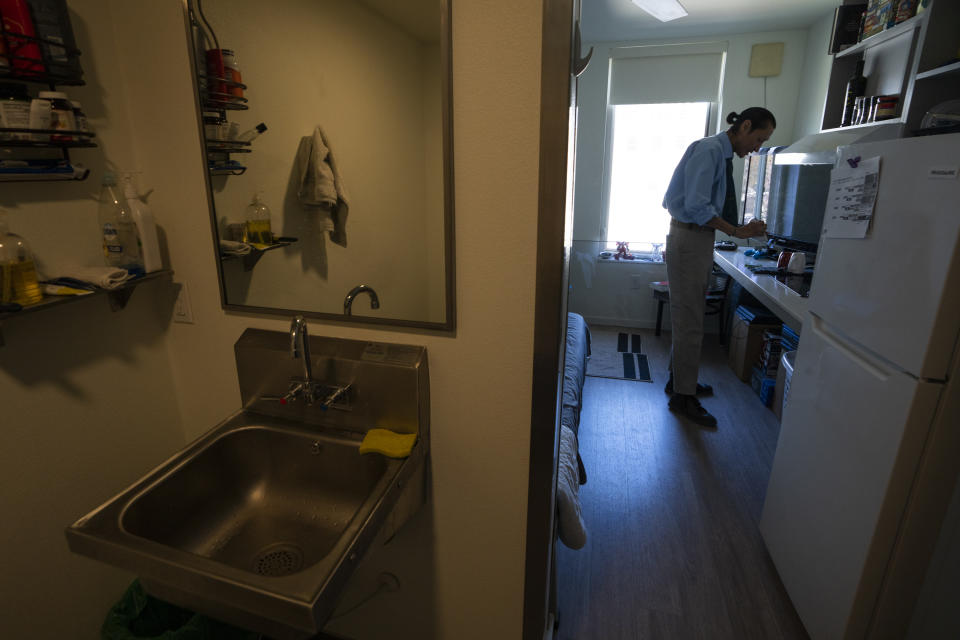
[[611, 257]]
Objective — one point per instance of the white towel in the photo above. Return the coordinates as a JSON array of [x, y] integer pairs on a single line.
[[571, 528], [321, 185], [232, 248], [103, 277]]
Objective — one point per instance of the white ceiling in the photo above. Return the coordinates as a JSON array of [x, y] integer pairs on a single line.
[[613, 20]]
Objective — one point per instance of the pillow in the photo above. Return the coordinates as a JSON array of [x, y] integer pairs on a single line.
[[571, 528]]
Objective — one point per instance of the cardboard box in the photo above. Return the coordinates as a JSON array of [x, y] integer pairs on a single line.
[[746, 342]]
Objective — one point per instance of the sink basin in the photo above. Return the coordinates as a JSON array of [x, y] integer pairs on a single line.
[[259, 522], [262, 499]]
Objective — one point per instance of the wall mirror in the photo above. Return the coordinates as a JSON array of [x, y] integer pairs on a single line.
[[354, 168]]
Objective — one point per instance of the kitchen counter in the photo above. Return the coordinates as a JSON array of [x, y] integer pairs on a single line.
[[783, 301]]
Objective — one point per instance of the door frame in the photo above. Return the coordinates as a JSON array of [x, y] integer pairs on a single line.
[[557, 93]]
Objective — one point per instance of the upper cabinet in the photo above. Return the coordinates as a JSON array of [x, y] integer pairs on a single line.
[[916, 60]]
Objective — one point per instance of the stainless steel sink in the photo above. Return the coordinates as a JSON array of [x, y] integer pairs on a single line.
[[268, 500], [261, 520]]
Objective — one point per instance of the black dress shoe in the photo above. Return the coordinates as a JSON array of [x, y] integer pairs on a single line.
[[702, 389], [689, 407]]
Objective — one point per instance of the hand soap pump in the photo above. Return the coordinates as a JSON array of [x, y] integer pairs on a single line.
[[18, 273], [121, 242], [258, 222], [146, 227]]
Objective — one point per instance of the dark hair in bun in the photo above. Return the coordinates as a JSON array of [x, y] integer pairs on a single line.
[[759, 117]]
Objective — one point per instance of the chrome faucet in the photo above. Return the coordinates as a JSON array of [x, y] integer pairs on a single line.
[[300, 346], [330, 395], [362, 288]]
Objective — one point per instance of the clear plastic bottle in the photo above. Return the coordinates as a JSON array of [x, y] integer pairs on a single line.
[[146, 226], [121, 242], [258, 222], [18, 272], [250, 134]]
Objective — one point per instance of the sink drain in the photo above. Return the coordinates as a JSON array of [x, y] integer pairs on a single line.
[[278, 560]]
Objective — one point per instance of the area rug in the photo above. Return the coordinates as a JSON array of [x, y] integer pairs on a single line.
[[617, 353]]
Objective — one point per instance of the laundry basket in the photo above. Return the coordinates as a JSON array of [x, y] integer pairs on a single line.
[[786, 361]]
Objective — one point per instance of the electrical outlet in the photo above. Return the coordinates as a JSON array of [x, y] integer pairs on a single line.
[[182, 310], [638, 281]]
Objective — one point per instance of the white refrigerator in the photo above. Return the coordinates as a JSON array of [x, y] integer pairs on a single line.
[[869, 447]]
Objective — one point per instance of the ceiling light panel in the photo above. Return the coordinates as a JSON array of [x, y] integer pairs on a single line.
[[662, 10]]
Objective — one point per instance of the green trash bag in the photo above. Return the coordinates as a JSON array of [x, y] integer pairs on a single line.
[[138, 616]]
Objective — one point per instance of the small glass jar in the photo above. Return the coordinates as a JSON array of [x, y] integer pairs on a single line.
[[61, 111], [211, 127], [216, 75], [231, 72], [79, 116], [14, 110]]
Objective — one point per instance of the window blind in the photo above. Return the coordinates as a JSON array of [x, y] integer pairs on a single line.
[[656, 79]]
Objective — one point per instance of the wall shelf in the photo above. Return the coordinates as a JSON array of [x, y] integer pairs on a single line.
[[251, 259], [228, 146], [81, 139], [117, 298], [866, 125], [233, 169], [28, 168], [939, 71], [235, 104], [73, 172], [915, 59], [883, 36]]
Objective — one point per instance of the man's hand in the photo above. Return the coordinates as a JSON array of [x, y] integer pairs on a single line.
[[752, 229]]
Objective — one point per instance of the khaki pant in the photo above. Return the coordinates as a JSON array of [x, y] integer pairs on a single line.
[[689, 260]]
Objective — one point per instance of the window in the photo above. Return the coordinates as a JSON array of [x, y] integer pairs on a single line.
[[648, 141]]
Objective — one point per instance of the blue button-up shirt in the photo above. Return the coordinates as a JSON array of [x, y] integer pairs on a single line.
[[698, 187]]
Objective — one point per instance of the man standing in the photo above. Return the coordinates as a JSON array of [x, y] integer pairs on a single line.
[[700, 199]]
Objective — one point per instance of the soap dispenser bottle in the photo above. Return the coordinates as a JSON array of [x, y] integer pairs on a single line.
[[121, 242], [146, 226], [18, 273], [258, 222]]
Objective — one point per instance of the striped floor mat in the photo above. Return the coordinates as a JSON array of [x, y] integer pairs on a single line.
[[616, 353]]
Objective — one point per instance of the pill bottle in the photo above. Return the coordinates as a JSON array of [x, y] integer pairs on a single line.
[[61, 115]]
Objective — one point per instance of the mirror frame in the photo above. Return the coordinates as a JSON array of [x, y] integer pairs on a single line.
[[450, 309]]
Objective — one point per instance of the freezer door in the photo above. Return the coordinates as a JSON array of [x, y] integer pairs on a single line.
[[894, 292], [849, 446]]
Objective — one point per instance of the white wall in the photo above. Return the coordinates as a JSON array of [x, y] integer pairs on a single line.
[[87, 398], [604, 293], [816, 76], [344, 67]]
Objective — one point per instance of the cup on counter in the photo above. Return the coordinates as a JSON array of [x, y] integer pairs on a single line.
[[783, 260], [797, 263]]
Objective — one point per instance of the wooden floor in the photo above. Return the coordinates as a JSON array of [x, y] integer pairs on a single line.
[[671, 510]]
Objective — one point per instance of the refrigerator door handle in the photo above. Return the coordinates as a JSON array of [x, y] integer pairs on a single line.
[[873, 368]]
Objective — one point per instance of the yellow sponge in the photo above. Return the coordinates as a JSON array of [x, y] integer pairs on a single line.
[[390, 444]]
